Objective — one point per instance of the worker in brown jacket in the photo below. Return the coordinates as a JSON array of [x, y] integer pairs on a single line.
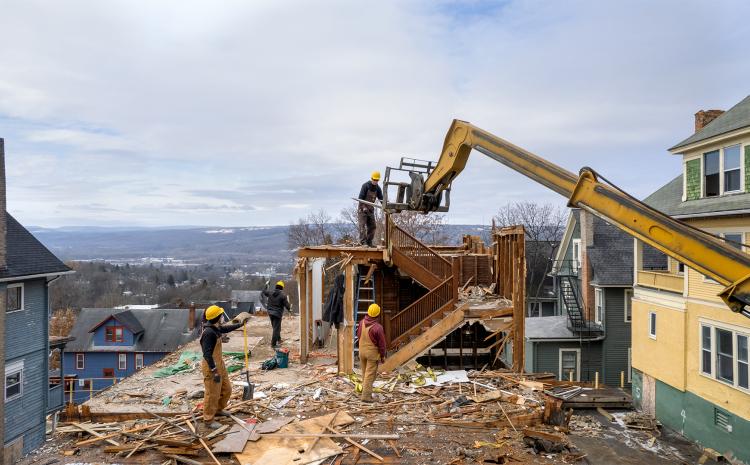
[[215, 376], [371, 349]]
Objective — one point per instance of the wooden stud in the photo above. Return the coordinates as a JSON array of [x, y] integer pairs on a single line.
[[302, 280]]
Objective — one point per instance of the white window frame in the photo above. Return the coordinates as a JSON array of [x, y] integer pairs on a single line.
[[627, 314], [82, 360], [23, 297], [722, 172], [630, 365], [10, 370], [577, 254], [598, 305], [735, 330], [578, 364], [138, 356], [122, 361], [652, 323]]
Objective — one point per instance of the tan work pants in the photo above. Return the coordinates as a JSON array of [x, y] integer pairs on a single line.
[[369, 357], [217, 394]]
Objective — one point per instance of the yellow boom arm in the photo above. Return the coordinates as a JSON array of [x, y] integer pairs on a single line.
[[696, 249]]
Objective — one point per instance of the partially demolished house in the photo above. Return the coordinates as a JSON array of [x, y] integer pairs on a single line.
[[448, 306]]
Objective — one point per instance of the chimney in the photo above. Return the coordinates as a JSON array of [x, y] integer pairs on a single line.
[[191, 316], [703, 117]]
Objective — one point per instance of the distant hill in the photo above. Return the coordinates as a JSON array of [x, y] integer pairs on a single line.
[[192, 244]]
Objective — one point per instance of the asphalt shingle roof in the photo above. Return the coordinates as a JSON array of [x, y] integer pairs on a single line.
[[548, 327], [735, 118], [26, 255], [668, 200], [163, 330], [611, 256]]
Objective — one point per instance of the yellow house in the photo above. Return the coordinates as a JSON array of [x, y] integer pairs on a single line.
[[689, 351]]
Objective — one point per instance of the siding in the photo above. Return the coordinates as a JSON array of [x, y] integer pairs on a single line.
[[547, 357], [26, 338], [100, 334], [693, 178], [747, 168], [701, 289], [617, 342]]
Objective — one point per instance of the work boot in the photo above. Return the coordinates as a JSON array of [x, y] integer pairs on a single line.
[[223, 413], [212, 424]]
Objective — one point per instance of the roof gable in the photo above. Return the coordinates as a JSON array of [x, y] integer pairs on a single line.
[[126, 318], [737, 117], [26, 256]]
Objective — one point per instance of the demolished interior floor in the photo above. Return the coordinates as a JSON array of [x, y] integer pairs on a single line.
[[308, 413]]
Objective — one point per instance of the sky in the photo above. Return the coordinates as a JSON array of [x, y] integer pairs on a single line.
[[252, 113]]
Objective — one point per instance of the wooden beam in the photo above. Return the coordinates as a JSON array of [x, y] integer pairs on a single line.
[[310, 318], [362, 254], [346, 328], [303, 311]]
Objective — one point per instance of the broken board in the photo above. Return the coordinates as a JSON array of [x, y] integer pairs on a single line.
[[233, 442], [277, 450]]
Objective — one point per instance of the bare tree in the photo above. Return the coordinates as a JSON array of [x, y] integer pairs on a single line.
[[544, 225], [314, 229], [428, 228]]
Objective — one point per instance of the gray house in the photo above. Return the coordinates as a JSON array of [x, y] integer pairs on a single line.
[[29, 396], [593, 274]]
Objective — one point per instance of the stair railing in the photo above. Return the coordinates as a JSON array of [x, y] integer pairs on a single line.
[[418, 252]]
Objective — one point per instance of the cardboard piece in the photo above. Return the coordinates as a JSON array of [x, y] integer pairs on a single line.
[[233, 442]]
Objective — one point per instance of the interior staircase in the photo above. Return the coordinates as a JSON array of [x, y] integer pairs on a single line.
[[429, 319]]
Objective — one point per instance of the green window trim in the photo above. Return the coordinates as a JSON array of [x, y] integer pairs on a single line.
[[693, 178]]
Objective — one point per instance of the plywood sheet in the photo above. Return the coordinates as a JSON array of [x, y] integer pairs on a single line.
[[234, 441], [281, 451]]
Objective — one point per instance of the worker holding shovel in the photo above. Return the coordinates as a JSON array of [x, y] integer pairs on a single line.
[[215, 376]]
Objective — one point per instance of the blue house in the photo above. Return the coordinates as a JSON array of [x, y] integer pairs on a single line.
[[111, 344], [29, 395]]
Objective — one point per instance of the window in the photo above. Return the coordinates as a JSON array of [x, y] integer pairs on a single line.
[[80, 361], [577, 258], [122, 361], [570, 364], [13, 381], [711, 177], [742, 361], [724, 355], [732, 168], [628, 309], [138, 361], [108, 372], [652, 325], [113, 334], [706, 359], [14, 302], [733, 239], [599, 305]]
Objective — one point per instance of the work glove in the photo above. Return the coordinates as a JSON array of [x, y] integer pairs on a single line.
[[241, 318], [217, 378]]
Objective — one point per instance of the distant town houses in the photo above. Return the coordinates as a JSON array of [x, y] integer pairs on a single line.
[[111, 344]]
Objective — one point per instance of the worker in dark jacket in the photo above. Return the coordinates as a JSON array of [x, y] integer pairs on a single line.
[[371, 349], [366, 213], [276, 303], [215, 376]]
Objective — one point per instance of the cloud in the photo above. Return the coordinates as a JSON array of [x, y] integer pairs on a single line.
[[234, 114]]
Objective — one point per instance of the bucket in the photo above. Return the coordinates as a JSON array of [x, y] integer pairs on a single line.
[[282, 357]]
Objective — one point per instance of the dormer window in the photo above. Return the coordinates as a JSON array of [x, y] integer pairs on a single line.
[[732, 168], [711, 176], [113, 334], [722, 172]]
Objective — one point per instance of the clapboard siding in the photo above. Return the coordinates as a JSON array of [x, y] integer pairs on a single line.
[[617, 341], [26, 330], [547, 357], [25, 415]]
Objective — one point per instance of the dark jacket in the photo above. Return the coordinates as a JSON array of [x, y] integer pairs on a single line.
[[369, 192], [376, 333], [333, 312], [277, 302], [211, 334]]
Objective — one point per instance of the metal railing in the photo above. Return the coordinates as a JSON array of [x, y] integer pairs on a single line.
[[431, 305], [566, 267]]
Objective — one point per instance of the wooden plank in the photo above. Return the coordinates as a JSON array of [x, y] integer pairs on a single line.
[[421, 274], [94, 433], [356, 444], [359, 254], [233, 442], [425, 340], [203, 443], [346, 329]]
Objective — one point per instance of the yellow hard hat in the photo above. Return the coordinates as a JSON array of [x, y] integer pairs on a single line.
[[213, 311], [280, 283], [373, 310], [375, 176]]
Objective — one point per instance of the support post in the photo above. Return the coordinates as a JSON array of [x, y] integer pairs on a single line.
[[310, 306], [346, 329], [303, 312]]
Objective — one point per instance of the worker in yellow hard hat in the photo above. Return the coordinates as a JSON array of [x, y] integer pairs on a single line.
[[369, 192], [371, 349], [215, 376], [277, 302]]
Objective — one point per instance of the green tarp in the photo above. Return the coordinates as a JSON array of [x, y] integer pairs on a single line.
[[189, 359]]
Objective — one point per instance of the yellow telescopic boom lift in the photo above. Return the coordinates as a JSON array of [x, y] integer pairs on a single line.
[[430, 184]]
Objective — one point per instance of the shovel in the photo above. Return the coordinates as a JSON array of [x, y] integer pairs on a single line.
[[248, 389]]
